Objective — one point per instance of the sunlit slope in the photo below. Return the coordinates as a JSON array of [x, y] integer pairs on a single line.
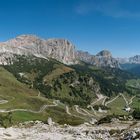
[[17, 94]]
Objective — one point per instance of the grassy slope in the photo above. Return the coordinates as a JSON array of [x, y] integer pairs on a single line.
[[136, 103], [117, 106], [21, 96], [18, 94], [111, 81], [54, 73], [53, 79], [135, 83]]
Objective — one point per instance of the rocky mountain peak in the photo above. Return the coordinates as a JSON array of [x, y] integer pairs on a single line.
[[62, 50], [135, 59], [102, 59], [131, 60], [59, 49], [27, 36], [104, 53]]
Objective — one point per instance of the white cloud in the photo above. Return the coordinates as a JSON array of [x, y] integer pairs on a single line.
[[111, 8]]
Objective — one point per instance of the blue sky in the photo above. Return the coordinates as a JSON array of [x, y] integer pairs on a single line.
[[91, 25]]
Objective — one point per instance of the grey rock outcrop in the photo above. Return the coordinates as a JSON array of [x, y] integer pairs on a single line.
[[50, 122], [135, 59], [6, 58], [102, 59], [104, 53], [59, 49], [38, 131], [131, 60], [122, 60]]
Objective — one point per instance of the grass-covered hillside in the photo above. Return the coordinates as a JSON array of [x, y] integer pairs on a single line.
[[17, 94], [54, 80], [19, 102], [76, 84], [111, 80], [30, 87]]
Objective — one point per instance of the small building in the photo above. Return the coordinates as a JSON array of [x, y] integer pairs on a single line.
[[127, 109]]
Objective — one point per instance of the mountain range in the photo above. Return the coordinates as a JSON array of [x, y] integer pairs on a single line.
[[59, 49], [45, 64], [52, 78], [131, 64]]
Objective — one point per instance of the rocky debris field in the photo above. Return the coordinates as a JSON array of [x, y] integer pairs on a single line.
[[52, 131]]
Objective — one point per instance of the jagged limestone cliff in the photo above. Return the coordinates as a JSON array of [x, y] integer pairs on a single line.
[[102, 59], [59, 49]]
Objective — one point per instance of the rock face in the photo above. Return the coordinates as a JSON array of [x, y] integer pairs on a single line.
[[130, 60], [59, 49], [50, 121], [135, 59], [102, 59], [105, 54], [122, 60], [38, 131], [6, 58]]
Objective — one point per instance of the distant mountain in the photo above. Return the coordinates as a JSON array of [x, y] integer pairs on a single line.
[[131, 64], [131, 60], [135, 59], [123, 60], [60, 49], [102, 59], [33, 69]]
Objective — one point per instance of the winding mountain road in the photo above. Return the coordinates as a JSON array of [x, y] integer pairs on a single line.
[[112, 100], [86, 112], [103, 103], [100, 97], [78, 111], [67, 110], [120, 94], [89, 106], [3, 101], [82, 111], [131, 100], [124, 99], [29, 110]]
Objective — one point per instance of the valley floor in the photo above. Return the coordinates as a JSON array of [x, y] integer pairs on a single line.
[[40, 131]]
